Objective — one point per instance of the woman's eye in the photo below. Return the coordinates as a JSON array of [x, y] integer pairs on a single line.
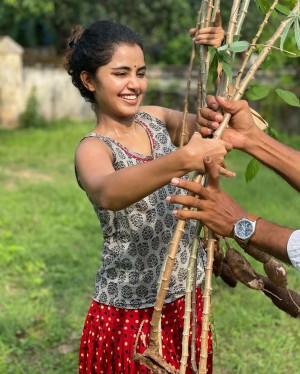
[[141, 75], [120, 74]]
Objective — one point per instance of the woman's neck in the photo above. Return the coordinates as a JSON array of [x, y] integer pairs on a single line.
[[118, 126]]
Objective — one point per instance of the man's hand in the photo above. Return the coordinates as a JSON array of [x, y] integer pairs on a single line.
[[215, 209], [241, 126]]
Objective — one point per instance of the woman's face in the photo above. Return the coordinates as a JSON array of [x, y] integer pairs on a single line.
[[121, 84]]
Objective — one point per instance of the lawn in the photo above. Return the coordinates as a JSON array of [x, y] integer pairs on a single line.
[[50, 245]]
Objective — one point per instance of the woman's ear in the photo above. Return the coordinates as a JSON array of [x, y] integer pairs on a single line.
[[87, 81]]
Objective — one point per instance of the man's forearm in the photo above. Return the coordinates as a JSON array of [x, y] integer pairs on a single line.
[[284, 160], [272, 239]]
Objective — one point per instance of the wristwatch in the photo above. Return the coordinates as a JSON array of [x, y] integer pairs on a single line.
[[244, 228]]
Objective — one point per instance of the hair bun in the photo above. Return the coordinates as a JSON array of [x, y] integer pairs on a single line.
[[75, 36]]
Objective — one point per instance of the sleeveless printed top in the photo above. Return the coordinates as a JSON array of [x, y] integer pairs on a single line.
[[136, 239]]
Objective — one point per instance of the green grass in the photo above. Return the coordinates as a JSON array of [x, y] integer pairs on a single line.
[[50, 245], [49, 250]]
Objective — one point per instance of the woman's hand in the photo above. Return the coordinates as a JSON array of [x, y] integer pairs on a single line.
[[212, 36], [198, 148]]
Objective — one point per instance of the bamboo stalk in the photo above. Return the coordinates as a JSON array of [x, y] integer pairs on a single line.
[[207, 303], [201, 102], [191, 275], [223, 88], [209, 13], [253, 43], [216, 7], [194, 322], [233, 21], [188, 85], [190, 299], [241, 16], [202, 74], [239, 22], [206, 15]]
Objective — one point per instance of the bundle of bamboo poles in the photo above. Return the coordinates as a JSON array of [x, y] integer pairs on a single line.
[[152, 358]]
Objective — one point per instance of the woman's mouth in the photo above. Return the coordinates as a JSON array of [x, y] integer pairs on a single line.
[[129, 97]]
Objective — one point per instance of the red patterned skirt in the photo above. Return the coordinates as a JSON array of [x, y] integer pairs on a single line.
[[109, 335]]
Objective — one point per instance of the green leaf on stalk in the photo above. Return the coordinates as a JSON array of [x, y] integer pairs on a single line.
[[263, 5], [223, 47], [227, 70], [212, 51], [224, 57], [213, 69], [268, 63], [252, 169], [297, 32], [288, 97], [282, 9], [257, 92], [289, 4], [238, 46], [285, 32]]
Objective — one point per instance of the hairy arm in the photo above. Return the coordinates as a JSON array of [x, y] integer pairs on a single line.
[[272, 239], [284, 160]]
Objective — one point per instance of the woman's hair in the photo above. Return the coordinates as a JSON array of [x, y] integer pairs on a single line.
[[90, 48]]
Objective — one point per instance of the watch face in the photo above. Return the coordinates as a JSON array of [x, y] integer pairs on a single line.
[[243, 229]]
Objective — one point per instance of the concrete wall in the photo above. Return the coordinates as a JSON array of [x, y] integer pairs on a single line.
[[57, 97], [10, 82]]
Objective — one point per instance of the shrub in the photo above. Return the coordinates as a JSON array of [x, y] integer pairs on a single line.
[[31, 117]]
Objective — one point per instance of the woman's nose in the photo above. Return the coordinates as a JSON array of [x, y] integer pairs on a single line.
[[133, 82]]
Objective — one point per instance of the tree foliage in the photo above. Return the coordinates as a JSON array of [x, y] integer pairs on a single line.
[[164, 24]]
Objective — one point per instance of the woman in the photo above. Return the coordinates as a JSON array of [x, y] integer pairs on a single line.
[[125, 166]]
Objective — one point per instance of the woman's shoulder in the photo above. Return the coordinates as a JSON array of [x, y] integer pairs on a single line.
[[157, 112], [94, 143]]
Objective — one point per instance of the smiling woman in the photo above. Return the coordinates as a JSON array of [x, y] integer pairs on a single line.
[[120, 85], [125, 166]]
